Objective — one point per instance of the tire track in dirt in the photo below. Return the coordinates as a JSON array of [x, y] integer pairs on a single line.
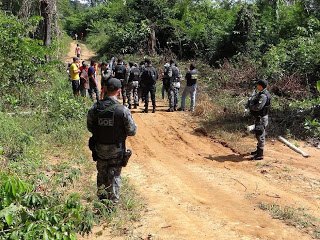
[[191, 197]]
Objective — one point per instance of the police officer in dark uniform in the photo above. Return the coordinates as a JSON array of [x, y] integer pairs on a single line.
[[174, 87], [110, 123], [259, 106], [167, 74], [106, 74], [120, 72], [133, 84], [149, 77]]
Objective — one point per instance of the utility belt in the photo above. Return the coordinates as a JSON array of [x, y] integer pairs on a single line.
[[120, 161]]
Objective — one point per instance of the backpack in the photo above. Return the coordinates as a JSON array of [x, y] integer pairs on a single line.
[[120, 71], [167, 72], [149, 76]]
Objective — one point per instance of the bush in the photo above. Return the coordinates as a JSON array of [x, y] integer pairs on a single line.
[[27, 214], [20, 56]]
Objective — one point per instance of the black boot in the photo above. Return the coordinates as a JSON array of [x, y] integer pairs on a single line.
[[129, 106], [154, 110], [258, 155], [145, 110], [170, 110], [254, 152]]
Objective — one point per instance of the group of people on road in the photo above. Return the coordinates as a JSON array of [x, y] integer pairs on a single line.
[[138, 82], [84, 78], [111, 122]]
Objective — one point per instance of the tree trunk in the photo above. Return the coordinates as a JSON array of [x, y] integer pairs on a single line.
[[46, 13], [25, 9], [152, 41]]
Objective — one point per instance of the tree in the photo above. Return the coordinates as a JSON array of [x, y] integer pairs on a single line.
[[47, 9]]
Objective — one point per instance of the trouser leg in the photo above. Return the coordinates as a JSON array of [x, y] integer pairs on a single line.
[[135, 96], [176, 97], [261, 135], [129, 94], [108, 181], [123, 93], [171, 98], [90, 91], [96, 90], [153, 96], [193, 91], [146, 98], [162, 91], [183, 98]]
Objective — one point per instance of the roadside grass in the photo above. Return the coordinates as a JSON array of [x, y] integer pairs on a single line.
[[297, 217], [45, 160]]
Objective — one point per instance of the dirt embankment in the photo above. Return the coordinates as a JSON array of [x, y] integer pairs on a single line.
[[195, 188]]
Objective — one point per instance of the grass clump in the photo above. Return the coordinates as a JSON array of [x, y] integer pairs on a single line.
[[296, 217]]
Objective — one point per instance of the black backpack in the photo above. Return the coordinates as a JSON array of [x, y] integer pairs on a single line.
[[149, 76]]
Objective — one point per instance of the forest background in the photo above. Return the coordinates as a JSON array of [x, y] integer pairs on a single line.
[[233, 44]]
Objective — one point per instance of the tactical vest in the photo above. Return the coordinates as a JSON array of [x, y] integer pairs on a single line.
[[265, 110], [134, 75], [109, 127], [175, 74], [167, 73], [192, 77], [149, 76], [120, 71]]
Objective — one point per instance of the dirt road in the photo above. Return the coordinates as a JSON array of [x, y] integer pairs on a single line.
[[194, 188]]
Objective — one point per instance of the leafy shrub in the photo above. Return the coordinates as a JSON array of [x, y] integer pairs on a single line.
[[27, 214], [20, 56]]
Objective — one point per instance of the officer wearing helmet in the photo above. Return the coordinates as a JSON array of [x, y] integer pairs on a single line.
[[259, 106]]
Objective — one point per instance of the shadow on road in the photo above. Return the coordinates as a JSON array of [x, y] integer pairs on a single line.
[[228, 158]]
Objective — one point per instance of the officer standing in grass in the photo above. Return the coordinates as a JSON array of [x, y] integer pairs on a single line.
[[110, 123], [259, 106]]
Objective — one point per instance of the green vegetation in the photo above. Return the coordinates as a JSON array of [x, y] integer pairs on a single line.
[[43, 127], [296, 217], [42, 144], [275, 40]]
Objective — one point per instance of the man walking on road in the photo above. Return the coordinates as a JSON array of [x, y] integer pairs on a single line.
[[110, 123], [149, 77], [259, 106], [78, 51], [191, 88]]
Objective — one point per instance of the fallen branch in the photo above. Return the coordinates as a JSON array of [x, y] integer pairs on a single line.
[[273, 196], [240, 183], [290, 145]]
